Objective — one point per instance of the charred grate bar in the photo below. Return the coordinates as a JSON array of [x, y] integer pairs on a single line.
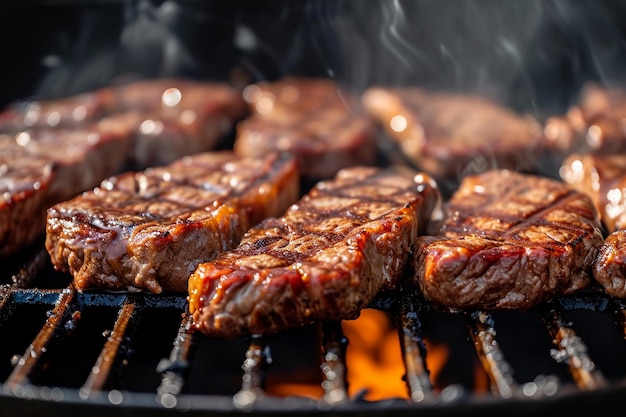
[[257, 358], [482, 331], [573, 351], [36, 350], [174, 368], [109, 354], [335, 384], [413, 349], [66, 306]]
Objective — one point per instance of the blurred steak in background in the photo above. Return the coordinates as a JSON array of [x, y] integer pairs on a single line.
[[452, 135], [603, 178], [318, 121], [596, 123]]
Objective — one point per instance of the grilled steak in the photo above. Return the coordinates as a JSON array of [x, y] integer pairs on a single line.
[[176, 95], [67, 111], [325, 259], [169, 98], [609, 268], [451, 135], [509, 241], [41, 167], [314, 119], [179, 117], [161, 138], [149, 230], [594, 124], [602, 177]]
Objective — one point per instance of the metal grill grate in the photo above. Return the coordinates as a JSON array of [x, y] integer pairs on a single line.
[[64, 310]]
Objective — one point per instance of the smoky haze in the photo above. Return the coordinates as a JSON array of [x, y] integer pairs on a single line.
[[532, 54]]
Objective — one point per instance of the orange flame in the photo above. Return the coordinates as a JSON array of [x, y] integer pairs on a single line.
[[375, 366], [373, 358]]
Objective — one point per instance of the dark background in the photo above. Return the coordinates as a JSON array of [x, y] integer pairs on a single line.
[[533, 55]]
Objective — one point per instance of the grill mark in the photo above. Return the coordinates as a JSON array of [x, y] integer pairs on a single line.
[[518, 223], [188, 182], [577, 234], [539, 215], [293, 231]]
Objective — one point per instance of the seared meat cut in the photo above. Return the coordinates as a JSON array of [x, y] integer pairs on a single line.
[[321, 124], [594, 124], [168, 98], [179, 117], [160, 138], [176, 95], [509, 241], [609, 268], [603, 178], [325, 259], [451, 135], [65, 111], [41, 167], [149, 230]]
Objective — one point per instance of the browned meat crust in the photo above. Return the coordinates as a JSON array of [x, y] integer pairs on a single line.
[[149, 230], [509, 241], [316, 120], [609, 268], [451, 135], [325, 259]]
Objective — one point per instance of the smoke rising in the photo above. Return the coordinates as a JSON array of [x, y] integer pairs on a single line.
[[533, 54]]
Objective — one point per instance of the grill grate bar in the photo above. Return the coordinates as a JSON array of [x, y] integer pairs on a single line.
[[252, 381], [573, 351], [413, 352], [619, 312], [27, 273], [174, 368], [335, 383], [481, 328], [102, 368], [38, 347]]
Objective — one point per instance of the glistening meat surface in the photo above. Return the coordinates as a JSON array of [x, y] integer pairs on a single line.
[[325, 259], [447, 134], [149, 230], [609, 268], [322, 124], [509, 241]]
